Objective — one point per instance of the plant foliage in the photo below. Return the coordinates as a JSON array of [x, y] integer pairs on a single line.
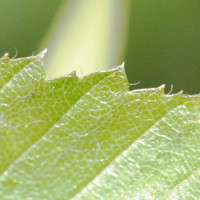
[[92, 138]]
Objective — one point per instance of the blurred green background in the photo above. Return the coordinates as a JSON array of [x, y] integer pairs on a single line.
[[158, 40]]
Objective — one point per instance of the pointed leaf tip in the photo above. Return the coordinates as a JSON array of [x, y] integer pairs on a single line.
[[72, 73], [162, 87], [42, 53], [122, 65], [6, 55]]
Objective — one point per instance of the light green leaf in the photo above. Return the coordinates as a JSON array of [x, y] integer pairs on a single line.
[[92, 138], [87, 35]]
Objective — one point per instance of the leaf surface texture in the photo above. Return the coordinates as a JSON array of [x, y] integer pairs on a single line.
[[92, 138]]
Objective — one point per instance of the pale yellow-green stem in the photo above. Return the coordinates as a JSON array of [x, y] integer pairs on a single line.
[[86, 36]]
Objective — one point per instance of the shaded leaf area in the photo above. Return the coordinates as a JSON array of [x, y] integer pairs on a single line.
[[92, 138]]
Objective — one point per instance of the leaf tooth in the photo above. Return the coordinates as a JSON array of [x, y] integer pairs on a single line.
[[73, 73], [122, 65], [42, 53], [162, 87], [180, 93], [5, 56]]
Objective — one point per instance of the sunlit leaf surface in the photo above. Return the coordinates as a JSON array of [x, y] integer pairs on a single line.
[[92, 138]]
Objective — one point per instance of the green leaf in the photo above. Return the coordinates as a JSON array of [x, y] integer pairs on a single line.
[[92, 138]]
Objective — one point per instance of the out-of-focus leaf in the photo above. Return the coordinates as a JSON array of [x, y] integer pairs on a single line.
[[86, 36]]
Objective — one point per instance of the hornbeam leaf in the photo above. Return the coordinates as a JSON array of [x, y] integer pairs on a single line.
[[92, 138]]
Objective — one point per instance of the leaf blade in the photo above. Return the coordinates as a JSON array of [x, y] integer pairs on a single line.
[[92, 129]]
